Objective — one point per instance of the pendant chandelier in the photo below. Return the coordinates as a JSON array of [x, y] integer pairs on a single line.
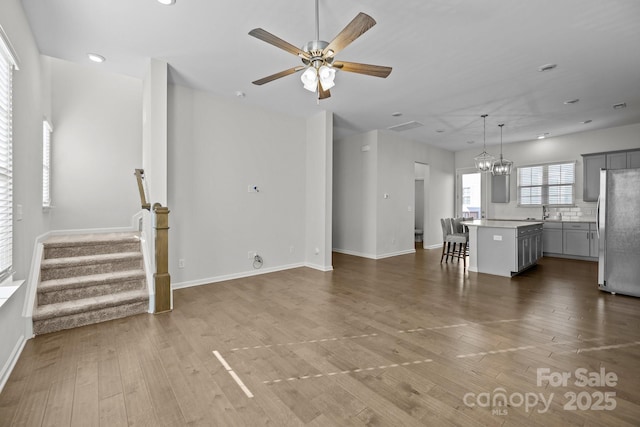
[[502, 166], [484, 161]]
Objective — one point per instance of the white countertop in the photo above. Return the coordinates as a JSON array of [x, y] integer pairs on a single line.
[[500, 223], [566, 219]]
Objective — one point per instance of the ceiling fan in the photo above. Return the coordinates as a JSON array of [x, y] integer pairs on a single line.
[[318, 56]]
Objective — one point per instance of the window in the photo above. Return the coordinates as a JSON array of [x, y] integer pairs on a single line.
[[549, 184], [7, 63], [46, 164], [466, 196]]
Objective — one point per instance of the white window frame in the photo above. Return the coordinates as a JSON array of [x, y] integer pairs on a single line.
[[46, 164], [545, 186], [8, 63]]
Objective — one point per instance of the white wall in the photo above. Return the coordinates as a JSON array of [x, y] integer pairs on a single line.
[[354, 194], [218, 148], [396, 179], [319, 191], [365, 223], [562, 148], [439, 189], [154, 131], [419, 203], [96, 145], [29, 109]]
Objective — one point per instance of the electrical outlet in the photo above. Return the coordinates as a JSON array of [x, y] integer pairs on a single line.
[[181, 263]]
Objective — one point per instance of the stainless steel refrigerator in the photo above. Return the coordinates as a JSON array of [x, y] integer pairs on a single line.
[[619, 231]]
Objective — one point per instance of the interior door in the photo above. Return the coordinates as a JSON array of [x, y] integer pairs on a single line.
[[469, 200]]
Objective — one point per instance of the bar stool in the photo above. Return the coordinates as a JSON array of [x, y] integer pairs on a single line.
[[449, 237]]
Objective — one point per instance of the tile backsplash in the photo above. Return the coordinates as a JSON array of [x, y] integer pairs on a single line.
[[583, 211], [580, 211]]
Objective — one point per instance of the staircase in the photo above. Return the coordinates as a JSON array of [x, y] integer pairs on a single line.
[[89, 278]]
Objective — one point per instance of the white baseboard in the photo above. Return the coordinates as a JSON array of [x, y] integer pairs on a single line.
[[438, 246], [373, 256], [324, 268], [354, 253], [233, 276], [11, 363]]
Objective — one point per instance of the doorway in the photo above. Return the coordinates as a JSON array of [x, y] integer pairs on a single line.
[[421, 172], [469, 201]]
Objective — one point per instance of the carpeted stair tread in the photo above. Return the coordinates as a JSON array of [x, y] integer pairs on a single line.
[[89, 278], [68, 308], [89, 259], [54, 285], [91, 239]]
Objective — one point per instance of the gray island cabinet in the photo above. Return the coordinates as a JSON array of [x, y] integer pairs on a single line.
[[504, 248]]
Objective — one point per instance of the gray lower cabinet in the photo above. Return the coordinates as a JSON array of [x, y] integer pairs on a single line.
[[552, 237], [529, 246], [574, 239]]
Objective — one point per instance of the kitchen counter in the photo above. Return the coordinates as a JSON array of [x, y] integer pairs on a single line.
[[500, 223], [529, 220], [504, 248]]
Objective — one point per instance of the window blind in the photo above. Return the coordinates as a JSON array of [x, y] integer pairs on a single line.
[[46, 164], [548, 184], [6, 172]]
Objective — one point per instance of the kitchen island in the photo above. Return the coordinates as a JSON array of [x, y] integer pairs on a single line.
[[503, 248]]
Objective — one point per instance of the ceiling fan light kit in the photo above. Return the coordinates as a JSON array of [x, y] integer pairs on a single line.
[[318, 56]]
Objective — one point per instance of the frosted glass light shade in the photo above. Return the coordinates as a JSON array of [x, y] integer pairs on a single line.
[[310, 79], [327, 76]]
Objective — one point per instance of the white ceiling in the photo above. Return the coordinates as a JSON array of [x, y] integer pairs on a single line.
[[452, 60]]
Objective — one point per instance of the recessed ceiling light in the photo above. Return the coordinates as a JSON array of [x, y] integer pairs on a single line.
[[586, 121], [543, 135], [471, 142], [240, 94], [547, 67], [167, 2], [440, 130], [95, 57], [572, 101], [620, 106], [396, 114]]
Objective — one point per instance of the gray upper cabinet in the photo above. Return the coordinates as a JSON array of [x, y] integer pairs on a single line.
[[617, 160], [591, 177], [592, 163], [500, 188], [633, 159]]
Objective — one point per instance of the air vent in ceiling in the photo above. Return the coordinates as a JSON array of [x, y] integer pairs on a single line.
[[406, 126]]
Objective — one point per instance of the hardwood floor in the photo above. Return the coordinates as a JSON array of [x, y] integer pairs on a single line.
[[403, 341]]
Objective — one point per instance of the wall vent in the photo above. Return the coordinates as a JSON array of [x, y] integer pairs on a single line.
[[406, 126]]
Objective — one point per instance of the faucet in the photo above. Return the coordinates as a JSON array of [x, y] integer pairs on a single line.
[[545, 212]]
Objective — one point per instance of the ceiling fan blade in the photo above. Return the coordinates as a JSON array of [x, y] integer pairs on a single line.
[[266, 36], [369, 70], [354, 29], [323, 94], [278, 75]]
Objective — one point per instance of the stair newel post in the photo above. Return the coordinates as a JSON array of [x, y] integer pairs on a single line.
[[161, 276]]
